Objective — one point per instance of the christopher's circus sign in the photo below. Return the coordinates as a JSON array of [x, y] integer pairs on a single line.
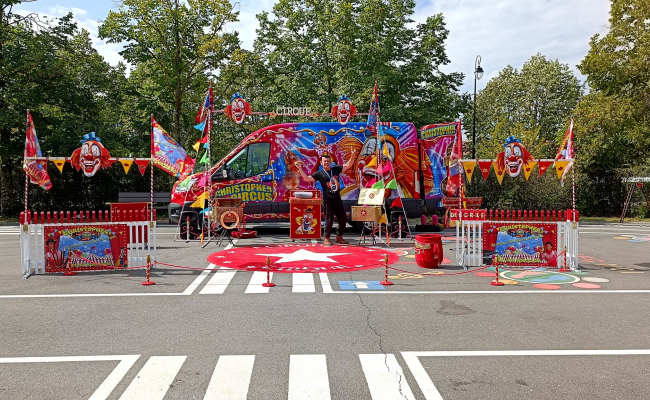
[[247, 192], [435, 131], [84, 247], [522, 243]]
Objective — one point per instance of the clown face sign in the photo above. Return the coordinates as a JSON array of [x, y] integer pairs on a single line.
[[513, 158], [91, 155], [238, 108], [344, 111]]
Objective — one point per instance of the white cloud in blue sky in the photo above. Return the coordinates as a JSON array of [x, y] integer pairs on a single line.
[[503, 32]]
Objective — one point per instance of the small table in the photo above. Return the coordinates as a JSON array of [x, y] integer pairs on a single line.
[[305, 216]]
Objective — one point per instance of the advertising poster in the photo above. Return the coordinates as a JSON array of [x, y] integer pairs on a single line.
[[441, 153], [85, 247], [305, 220], [522, 243]]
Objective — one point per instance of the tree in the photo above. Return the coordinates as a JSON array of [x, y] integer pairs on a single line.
[[173, 47], [315, 51], [534, 104]]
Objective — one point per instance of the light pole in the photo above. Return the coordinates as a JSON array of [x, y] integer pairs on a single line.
[[478, 74]]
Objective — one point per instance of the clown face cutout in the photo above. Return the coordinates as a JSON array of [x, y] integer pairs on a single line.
[[344, 111], [513, 158], [91, 155], [238, 108]]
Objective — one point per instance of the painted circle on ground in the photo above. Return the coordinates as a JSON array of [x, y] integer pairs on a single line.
[[306, 258], [537, 276], [593, 279], [585, 285], [485, 274], [546, 286]]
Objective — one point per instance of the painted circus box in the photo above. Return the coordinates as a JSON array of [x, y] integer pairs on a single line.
[[522, 243], [85, 247]]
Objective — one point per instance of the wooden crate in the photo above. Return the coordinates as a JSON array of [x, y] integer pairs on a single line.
[[366, 214]]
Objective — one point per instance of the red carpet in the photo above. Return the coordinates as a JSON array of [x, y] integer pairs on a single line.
[[308, 258]]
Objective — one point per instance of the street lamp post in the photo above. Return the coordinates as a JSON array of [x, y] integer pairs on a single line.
[[478, 74]]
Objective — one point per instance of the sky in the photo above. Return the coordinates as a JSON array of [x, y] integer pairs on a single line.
[[502, 32]]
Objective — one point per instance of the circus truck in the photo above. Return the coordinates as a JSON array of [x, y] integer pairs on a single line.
[[262, 169]]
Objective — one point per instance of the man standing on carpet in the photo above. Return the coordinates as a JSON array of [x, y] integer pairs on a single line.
[[329, 181]]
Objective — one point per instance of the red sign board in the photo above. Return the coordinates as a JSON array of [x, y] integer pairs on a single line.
[[305, 217], [85, 247]]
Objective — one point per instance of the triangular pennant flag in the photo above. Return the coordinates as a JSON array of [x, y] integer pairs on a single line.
[[59, 162], [499, 173], [196, 146], [397, 203], [385, 152], [378, 185], [373, 162], [126, 164], [200, 201], [485, 167], [392, 184], [469, 166], [205, 146], [204, 159], [383, 220], [559, 167], [528, 168], [200, 126], [543, 165], [142, 165], [371, 182]]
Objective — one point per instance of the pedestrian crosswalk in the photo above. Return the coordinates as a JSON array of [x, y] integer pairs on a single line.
[[223, 277], [231, 378]]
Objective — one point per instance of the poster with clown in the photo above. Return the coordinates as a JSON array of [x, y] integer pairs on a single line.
[[442, 149]]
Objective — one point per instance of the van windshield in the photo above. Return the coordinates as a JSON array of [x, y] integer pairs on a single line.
[[251, 160]]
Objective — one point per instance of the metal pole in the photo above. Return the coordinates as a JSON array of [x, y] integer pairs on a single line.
[[474, 123]]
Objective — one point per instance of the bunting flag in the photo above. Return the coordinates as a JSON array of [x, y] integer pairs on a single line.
[[528, 168], [200, 201], [59, 162], [378, 185], [385, 168], [204, 115], [371, 182], [469, 166], [373, 114], [386, 153], [372, 163], [485, 167], [560, 167], [499, 172], [203, 140], [566, 152], [37, 172], [142, 165], [168, 154], [126, 164], [204, 159], [383, 219], [392, 184], [543, 165], [397, 203]]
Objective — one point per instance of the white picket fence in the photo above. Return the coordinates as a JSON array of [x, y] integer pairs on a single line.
[[469, 235], [32, 242]]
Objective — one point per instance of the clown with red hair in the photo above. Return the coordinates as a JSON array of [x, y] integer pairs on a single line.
[[238, 108], [513, 158], [344, 110], [91, 155]]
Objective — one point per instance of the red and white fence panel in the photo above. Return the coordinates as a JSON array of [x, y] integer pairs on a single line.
[[86, 240], [517, 237]]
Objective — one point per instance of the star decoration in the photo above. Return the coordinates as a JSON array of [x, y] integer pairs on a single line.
[[303, 255]]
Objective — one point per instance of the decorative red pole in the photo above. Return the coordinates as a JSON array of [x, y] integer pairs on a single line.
[[148, 282], [496, 282], [268, 282], [564, 268], [386, 282]]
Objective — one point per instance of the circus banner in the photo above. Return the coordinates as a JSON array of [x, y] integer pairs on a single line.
[[441, 153], [168, 154], [85, 247], [522, 243]]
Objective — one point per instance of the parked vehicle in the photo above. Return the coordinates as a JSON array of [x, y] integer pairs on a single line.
[[261, 170]]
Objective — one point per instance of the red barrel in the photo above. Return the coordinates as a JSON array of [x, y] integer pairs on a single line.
[[428, 250]]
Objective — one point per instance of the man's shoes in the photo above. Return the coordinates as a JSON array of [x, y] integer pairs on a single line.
[[327, 242], [339, 239]]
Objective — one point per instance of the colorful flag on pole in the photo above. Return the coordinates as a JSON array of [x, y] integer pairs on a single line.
[[566, 152], [37, 172], [204, 115], [168, 154], [373, 117]]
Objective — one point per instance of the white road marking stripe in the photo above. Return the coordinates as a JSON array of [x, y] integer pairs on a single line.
[[190, 289], [219, 282], [231, 378], [308, 377], [385, 377], [153, 380], [325, 282], [113, 379], [303, 283], [255, 284]]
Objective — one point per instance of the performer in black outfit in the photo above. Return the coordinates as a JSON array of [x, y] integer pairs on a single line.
[[329, 181]]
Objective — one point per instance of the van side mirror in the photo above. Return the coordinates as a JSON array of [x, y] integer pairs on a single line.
[[225, 173]]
